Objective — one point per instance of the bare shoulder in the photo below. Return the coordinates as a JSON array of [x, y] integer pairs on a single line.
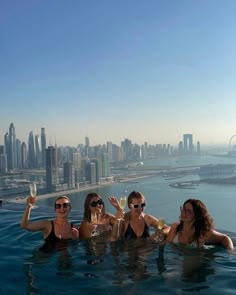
[[174, 225], [150, 219]]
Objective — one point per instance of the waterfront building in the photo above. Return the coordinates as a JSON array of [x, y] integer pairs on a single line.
[[180, 148], [11, 148], [69, 175], [116, 153], [127, 149], [2, 150], [31, 151], [3, 164], [136, 152], [109, 150], [38, 156], [18, 154], [188, 143], [98, 169], [91, 172], [43, 147], [24, 155], [106, 168], [52, 175]]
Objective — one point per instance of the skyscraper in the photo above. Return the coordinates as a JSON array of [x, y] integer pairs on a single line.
[[52, 177], [38, 157], [69, 174], [24, 155], [43, 147], [11, 152], [188, 143], [31, 151]]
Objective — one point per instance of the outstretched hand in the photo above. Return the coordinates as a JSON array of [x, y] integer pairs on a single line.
[[114, 202], [31, 201]]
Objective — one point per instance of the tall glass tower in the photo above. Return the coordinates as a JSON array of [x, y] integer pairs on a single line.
[[31, 151], [43, 147], [11, 152], [52, 176]]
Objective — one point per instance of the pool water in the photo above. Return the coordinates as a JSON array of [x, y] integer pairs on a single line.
[[99, 267]]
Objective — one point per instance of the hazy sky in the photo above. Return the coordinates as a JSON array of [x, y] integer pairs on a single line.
[[144, 70]]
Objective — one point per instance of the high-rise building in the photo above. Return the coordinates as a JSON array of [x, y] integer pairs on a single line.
[[52, 176], [3, 163], [18, 154], [43, 147], [24, 155], [69, 175], [98, 169], [31, 151], [188, 143], [38, 157], [11, 148], [91, 172], [106, 168]]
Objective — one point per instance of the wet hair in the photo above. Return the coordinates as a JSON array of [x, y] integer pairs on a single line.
[[87, 211], [135, 195], [203, 221], [61, 197]]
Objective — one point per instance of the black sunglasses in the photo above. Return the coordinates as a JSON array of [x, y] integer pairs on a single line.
[[94, 203], [135, 206], [64, 205]]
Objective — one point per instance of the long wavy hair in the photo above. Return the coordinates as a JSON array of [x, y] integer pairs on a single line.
[[87, 211], [203, 221]]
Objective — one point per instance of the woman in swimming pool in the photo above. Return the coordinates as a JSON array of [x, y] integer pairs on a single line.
[[196, 227], [136, 222], [103, 222], [52, 230]]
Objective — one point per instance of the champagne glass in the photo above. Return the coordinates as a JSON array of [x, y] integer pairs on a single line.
[[122, 202], [95, 219], [161, 224], [33, 191]]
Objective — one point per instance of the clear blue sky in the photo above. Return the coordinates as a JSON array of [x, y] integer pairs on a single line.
[[144, 70]]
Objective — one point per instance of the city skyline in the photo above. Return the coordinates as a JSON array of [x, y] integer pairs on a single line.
[[118, 70]]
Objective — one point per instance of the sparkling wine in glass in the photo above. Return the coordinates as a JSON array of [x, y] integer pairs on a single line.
[[33, 191], [161, 224], [95, 219], [122, 202]]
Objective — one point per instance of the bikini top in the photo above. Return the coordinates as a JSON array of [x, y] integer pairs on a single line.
[[52, 241], [129, 233]]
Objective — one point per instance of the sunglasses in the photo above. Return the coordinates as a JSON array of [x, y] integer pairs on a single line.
[[94, 203], [64, 205], [135, 206], [186, 211]]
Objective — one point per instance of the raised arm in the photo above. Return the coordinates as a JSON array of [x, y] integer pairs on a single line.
[[115, 203], [43, 225]]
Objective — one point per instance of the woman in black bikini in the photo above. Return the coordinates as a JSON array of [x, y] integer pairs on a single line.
[[59, 229], [136, 222]]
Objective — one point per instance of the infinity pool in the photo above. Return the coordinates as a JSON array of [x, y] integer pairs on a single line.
[[106, 268]]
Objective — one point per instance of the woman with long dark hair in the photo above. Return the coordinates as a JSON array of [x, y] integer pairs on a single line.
[[196, 227], [96, 220]]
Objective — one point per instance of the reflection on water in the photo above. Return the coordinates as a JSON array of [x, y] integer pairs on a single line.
[[123, 267]]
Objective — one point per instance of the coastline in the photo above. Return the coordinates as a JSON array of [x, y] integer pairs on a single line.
[[20, 200]]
